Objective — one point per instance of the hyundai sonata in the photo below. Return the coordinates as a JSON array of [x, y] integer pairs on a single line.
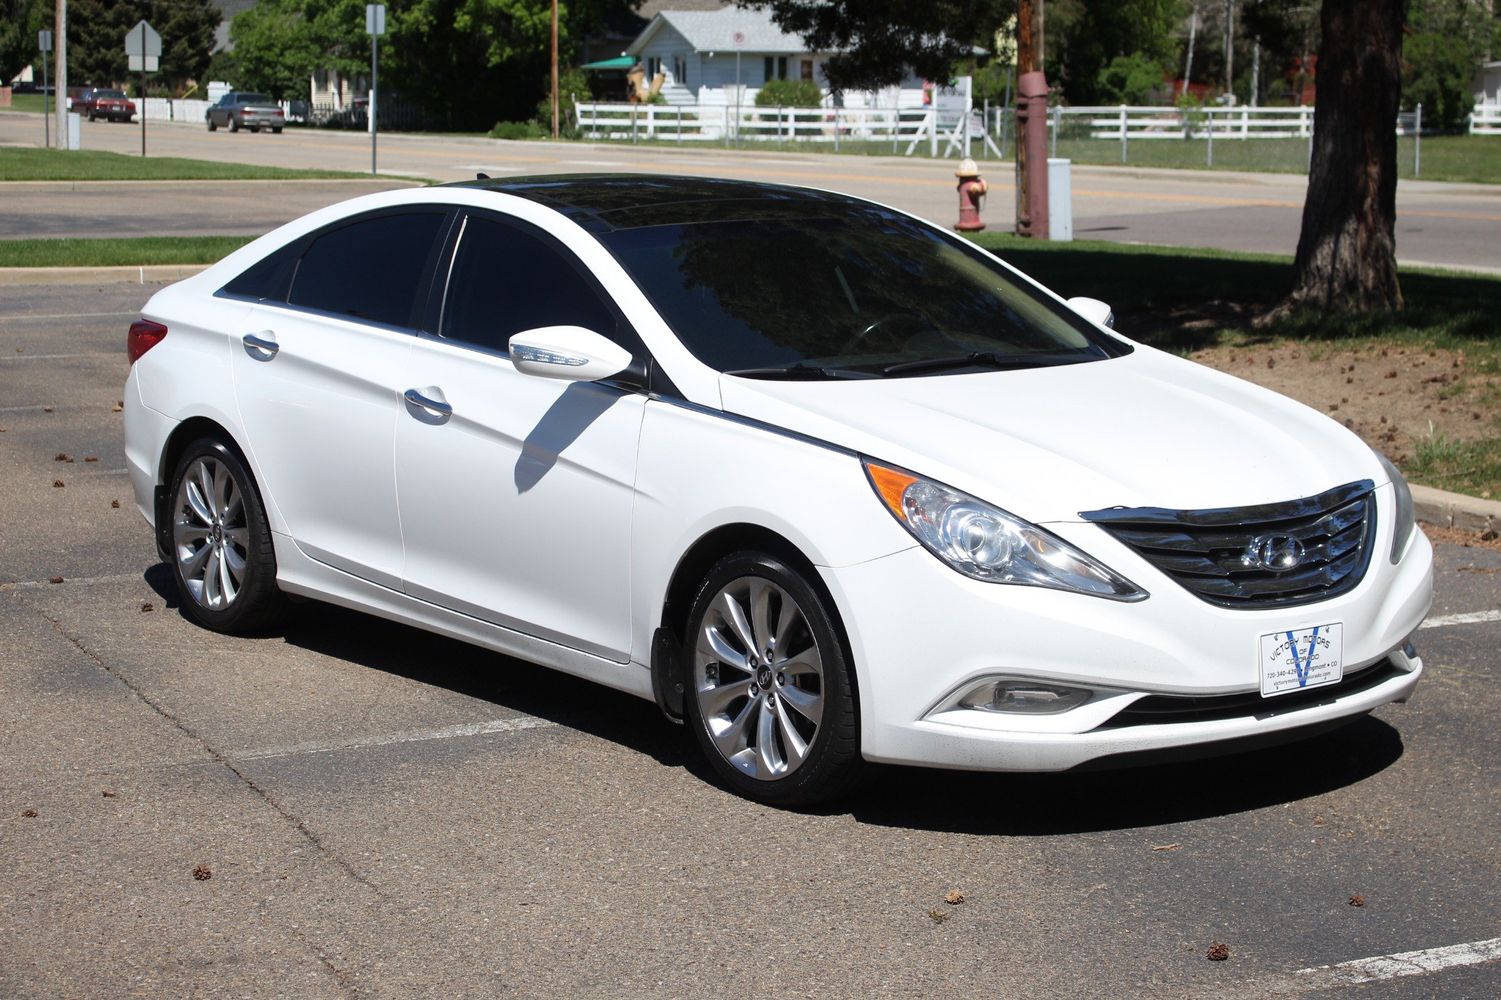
[[829, 483]]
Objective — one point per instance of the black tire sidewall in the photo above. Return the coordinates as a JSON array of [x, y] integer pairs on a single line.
[[833, 760], [258, 602]]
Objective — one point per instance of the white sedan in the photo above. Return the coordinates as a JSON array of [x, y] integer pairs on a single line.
[[829, 483]]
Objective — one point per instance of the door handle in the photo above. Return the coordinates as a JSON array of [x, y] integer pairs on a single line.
[[260, 348], [436, 407]]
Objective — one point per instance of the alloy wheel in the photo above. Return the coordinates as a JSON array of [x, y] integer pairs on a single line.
[[209, 533], [758, 677]]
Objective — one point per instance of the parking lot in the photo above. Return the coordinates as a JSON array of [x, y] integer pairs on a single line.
[[355, 808]]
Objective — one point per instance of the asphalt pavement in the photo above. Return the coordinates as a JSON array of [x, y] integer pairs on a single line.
[[1449, 225], [355, 808]]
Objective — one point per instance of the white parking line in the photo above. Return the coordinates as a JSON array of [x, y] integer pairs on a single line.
[[1467, 618], [14, 317], [512, 725], [53, 357], [1407, 963]]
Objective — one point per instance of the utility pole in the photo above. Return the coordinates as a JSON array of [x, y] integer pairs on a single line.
[[1230, 47], [1031, 126], [60, 63], [1193, 30], [554, 69]]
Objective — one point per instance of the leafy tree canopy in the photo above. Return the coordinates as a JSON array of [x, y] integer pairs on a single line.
[[96, 39], [1447, 41], [875, 42]]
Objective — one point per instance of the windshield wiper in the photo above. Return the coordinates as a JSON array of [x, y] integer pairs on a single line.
[[801, 370], [975, 359]]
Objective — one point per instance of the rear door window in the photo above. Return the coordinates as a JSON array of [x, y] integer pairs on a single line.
[[373, 269]]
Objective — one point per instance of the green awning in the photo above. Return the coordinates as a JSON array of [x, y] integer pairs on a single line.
[[619, 62]]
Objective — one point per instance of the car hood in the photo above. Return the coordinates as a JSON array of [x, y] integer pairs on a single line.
[[1144, 430]]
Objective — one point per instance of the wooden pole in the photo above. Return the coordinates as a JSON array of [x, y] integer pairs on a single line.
[[554, 69]]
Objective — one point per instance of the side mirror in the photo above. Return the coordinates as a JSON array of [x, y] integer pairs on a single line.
[[1093, 310], [571, 353]]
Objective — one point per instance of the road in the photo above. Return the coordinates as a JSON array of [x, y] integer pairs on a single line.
[[1451, 225], [378, 812]]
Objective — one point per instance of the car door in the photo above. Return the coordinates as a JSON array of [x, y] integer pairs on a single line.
[[516, 491], [318, 377]]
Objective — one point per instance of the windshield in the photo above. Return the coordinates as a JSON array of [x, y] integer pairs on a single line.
[[862, 292], [109, 93]]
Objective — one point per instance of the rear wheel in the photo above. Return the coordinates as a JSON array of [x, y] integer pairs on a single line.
[[222, 554], [212, 127], [234, 124], [275, 130], [771, 701]]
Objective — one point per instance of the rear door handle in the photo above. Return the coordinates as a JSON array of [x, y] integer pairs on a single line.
[[260, 348], [437, 407]]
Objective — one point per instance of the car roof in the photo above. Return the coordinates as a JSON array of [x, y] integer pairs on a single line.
[[607, 202]]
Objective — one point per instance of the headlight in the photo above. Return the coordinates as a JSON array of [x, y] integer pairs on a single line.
[[1402, 527], [986, 543]]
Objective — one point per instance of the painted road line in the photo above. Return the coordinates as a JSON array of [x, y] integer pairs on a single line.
[[18, 317], [75, 581], [513, 725], [1397, 966], [1467, 618], [54, 357]]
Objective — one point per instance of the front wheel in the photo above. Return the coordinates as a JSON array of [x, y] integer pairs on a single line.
[[772, 700], [222, 554], [211, 126]]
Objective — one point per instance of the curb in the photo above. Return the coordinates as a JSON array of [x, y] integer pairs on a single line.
[[1455, 510], [134, 275]]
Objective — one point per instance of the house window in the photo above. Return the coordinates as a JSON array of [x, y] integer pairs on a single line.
[[775, 67], [653, 67], [680, 71], [807, 69]]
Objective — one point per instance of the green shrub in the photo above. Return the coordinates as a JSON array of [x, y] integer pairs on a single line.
[[789, 94], [1132, 79], [519, 130]]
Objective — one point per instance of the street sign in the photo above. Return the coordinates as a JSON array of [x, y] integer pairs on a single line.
[[375, 19], [44, 41], [143, 48]]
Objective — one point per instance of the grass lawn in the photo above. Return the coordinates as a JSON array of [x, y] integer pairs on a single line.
[[116, 252], [1438, 361], [29, 102], [94, 165]]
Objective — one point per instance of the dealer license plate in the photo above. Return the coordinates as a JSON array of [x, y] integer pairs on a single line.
[[1302, 658]]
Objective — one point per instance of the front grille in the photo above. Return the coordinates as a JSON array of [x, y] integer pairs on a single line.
[[1218, 554], [1164, 709]]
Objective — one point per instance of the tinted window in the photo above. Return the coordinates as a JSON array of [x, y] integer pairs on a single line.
[[371, 269], [864, 289], [267, 278], [506, 280]]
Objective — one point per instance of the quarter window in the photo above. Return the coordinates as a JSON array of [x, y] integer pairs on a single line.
[[506, 280], [371, 270]]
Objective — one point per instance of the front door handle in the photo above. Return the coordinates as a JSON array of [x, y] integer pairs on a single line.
[[437, 407], [260, 348]]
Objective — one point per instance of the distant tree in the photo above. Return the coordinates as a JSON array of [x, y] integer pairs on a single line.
[[1346, 259], [1447, 41], [875, 42], [1084, 40], [96, 39], [20, 20], [275, 49], [1132, 79]]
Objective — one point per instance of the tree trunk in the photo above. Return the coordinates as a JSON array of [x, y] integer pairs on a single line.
[[1347, 250]]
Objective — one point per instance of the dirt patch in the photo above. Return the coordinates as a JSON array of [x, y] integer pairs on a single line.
[[1464, 539], [1393, 396]]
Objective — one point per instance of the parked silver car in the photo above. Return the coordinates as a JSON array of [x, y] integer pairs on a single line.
[[237, 110]]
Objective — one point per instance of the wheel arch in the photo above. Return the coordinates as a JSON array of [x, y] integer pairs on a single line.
[[667, 668], [184, 434]]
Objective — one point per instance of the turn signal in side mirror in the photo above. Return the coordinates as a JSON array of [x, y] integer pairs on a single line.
[[571, 353]]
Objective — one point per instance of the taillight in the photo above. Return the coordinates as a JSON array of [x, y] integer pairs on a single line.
[[144, 335]]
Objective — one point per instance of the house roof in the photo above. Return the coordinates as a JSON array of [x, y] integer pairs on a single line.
[[715, 31]]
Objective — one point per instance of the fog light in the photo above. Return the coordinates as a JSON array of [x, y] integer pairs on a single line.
[[1024, 697]]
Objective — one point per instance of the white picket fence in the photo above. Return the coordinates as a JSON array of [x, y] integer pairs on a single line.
[[1486, 120], [721, 122], [164, 109], [1132, 123]]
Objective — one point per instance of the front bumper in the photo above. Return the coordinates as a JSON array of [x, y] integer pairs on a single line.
[[920, 632]]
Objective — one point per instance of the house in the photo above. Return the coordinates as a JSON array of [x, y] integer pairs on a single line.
[[725, 56], [1488, 84]]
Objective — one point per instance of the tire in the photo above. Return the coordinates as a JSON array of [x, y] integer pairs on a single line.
[[217, 520], [275, 130], [254, 128], [211, 126], [234, 124], [91, 116], [777, 722]]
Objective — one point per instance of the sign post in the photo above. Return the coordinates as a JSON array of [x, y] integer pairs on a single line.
[[375, 26], [143, 49], [44, 42]]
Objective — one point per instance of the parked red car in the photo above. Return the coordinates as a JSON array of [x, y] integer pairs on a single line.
[[99, 102]]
